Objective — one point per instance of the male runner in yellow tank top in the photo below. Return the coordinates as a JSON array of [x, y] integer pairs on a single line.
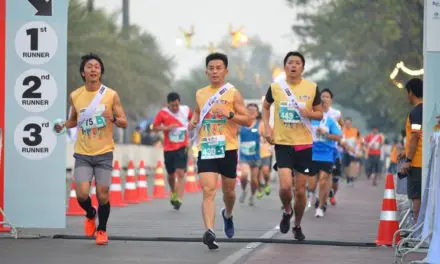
[[94, 145], [220, 109], [292, 135]]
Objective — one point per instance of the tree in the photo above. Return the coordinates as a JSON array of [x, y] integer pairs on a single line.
[[249, 71], [135, 67], [357, 44]]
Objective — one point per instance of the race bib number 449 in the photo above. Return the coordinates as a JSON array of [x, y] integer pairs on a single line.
[[213, 147], [288, 113]]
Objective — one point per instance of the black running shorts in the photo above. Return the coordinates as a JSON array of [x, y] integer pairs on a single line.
[[323, 166], [226, 166], [300, 161], [176, 159]]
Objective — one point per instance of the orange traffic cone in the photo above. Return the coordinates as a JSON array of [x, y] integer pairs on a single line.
[[159, 183], [130, 192], [191, 181], [142, 184], [73, 207], [116, 188], [388, 218], [93, 194]]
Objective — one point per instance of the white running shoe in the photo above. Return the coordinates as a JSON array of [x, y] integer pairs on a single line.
[[243, 196], [309, 205], [319, 213], [251, 201]]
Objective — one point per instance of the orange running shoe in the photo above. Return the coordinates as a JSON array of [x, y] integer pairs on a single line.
[[90, 226], [333, 201], [101, 238]]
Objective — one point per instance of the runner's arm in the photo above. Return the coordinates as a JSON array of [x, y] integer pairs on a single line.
[[335, 131], [120, 120], [415, 118], [72, 119], [158, 124], [317, 112], [341, 121], [265, 112], [195, 118], [413, 141], [241, 116]]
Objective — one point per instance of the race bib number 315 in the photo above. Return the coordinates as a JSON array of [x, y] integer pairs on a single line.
[[213, 147]]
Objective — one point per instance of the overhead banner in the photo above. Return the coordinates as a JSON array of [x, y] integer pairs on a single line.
[[35, 94]]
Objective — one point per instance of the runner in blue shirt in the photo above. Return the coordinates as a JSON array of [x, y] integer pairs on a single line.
[[326, 134], [249, 155]]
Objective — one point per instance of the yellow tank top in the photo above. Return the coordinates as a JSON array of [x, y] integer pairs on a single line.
[[214, 125], [292, 132], [264, 146], [95, 137]]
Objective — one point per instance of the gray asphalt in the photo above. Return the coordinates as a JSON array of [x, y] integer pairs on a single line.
[[354, 220]]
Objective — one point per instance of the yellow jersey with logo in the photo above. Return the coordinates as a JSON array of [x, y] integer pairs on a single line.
[[95, 135], [288, 127], [216, 125]]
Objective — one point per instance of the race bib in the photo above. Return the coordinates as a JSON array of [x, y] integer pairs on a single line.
[[321, 137], [177, 135], [213, 147], [375, 145], [248, 148], [96, 121], [288, 113]]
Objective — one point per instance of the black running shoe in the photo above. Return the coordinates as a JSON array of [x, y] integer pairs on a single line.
[[316, 203], [177, 204], [209, 240], [325, 207], [330, 194], [298, 234], [285, 222]]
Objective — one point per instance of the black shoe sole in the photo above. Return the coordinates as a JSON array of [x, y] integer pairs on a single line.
[[177, 206], [301, 238], [210, 243]]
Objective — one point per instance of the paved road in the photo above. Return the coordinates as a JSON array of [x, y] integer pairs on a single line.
[[354, 219]]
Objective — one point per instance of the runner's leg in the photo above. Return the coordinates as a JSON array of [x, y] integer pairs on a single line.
[[83, 175], [180, 183], [300, 196], [245, 171], [208, 183], [324, 179], [228, 188]]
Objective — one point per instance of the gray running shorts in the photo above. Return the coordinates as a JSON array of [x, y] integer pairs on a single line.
[[267, 161], [252, 163], [100, 166]]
